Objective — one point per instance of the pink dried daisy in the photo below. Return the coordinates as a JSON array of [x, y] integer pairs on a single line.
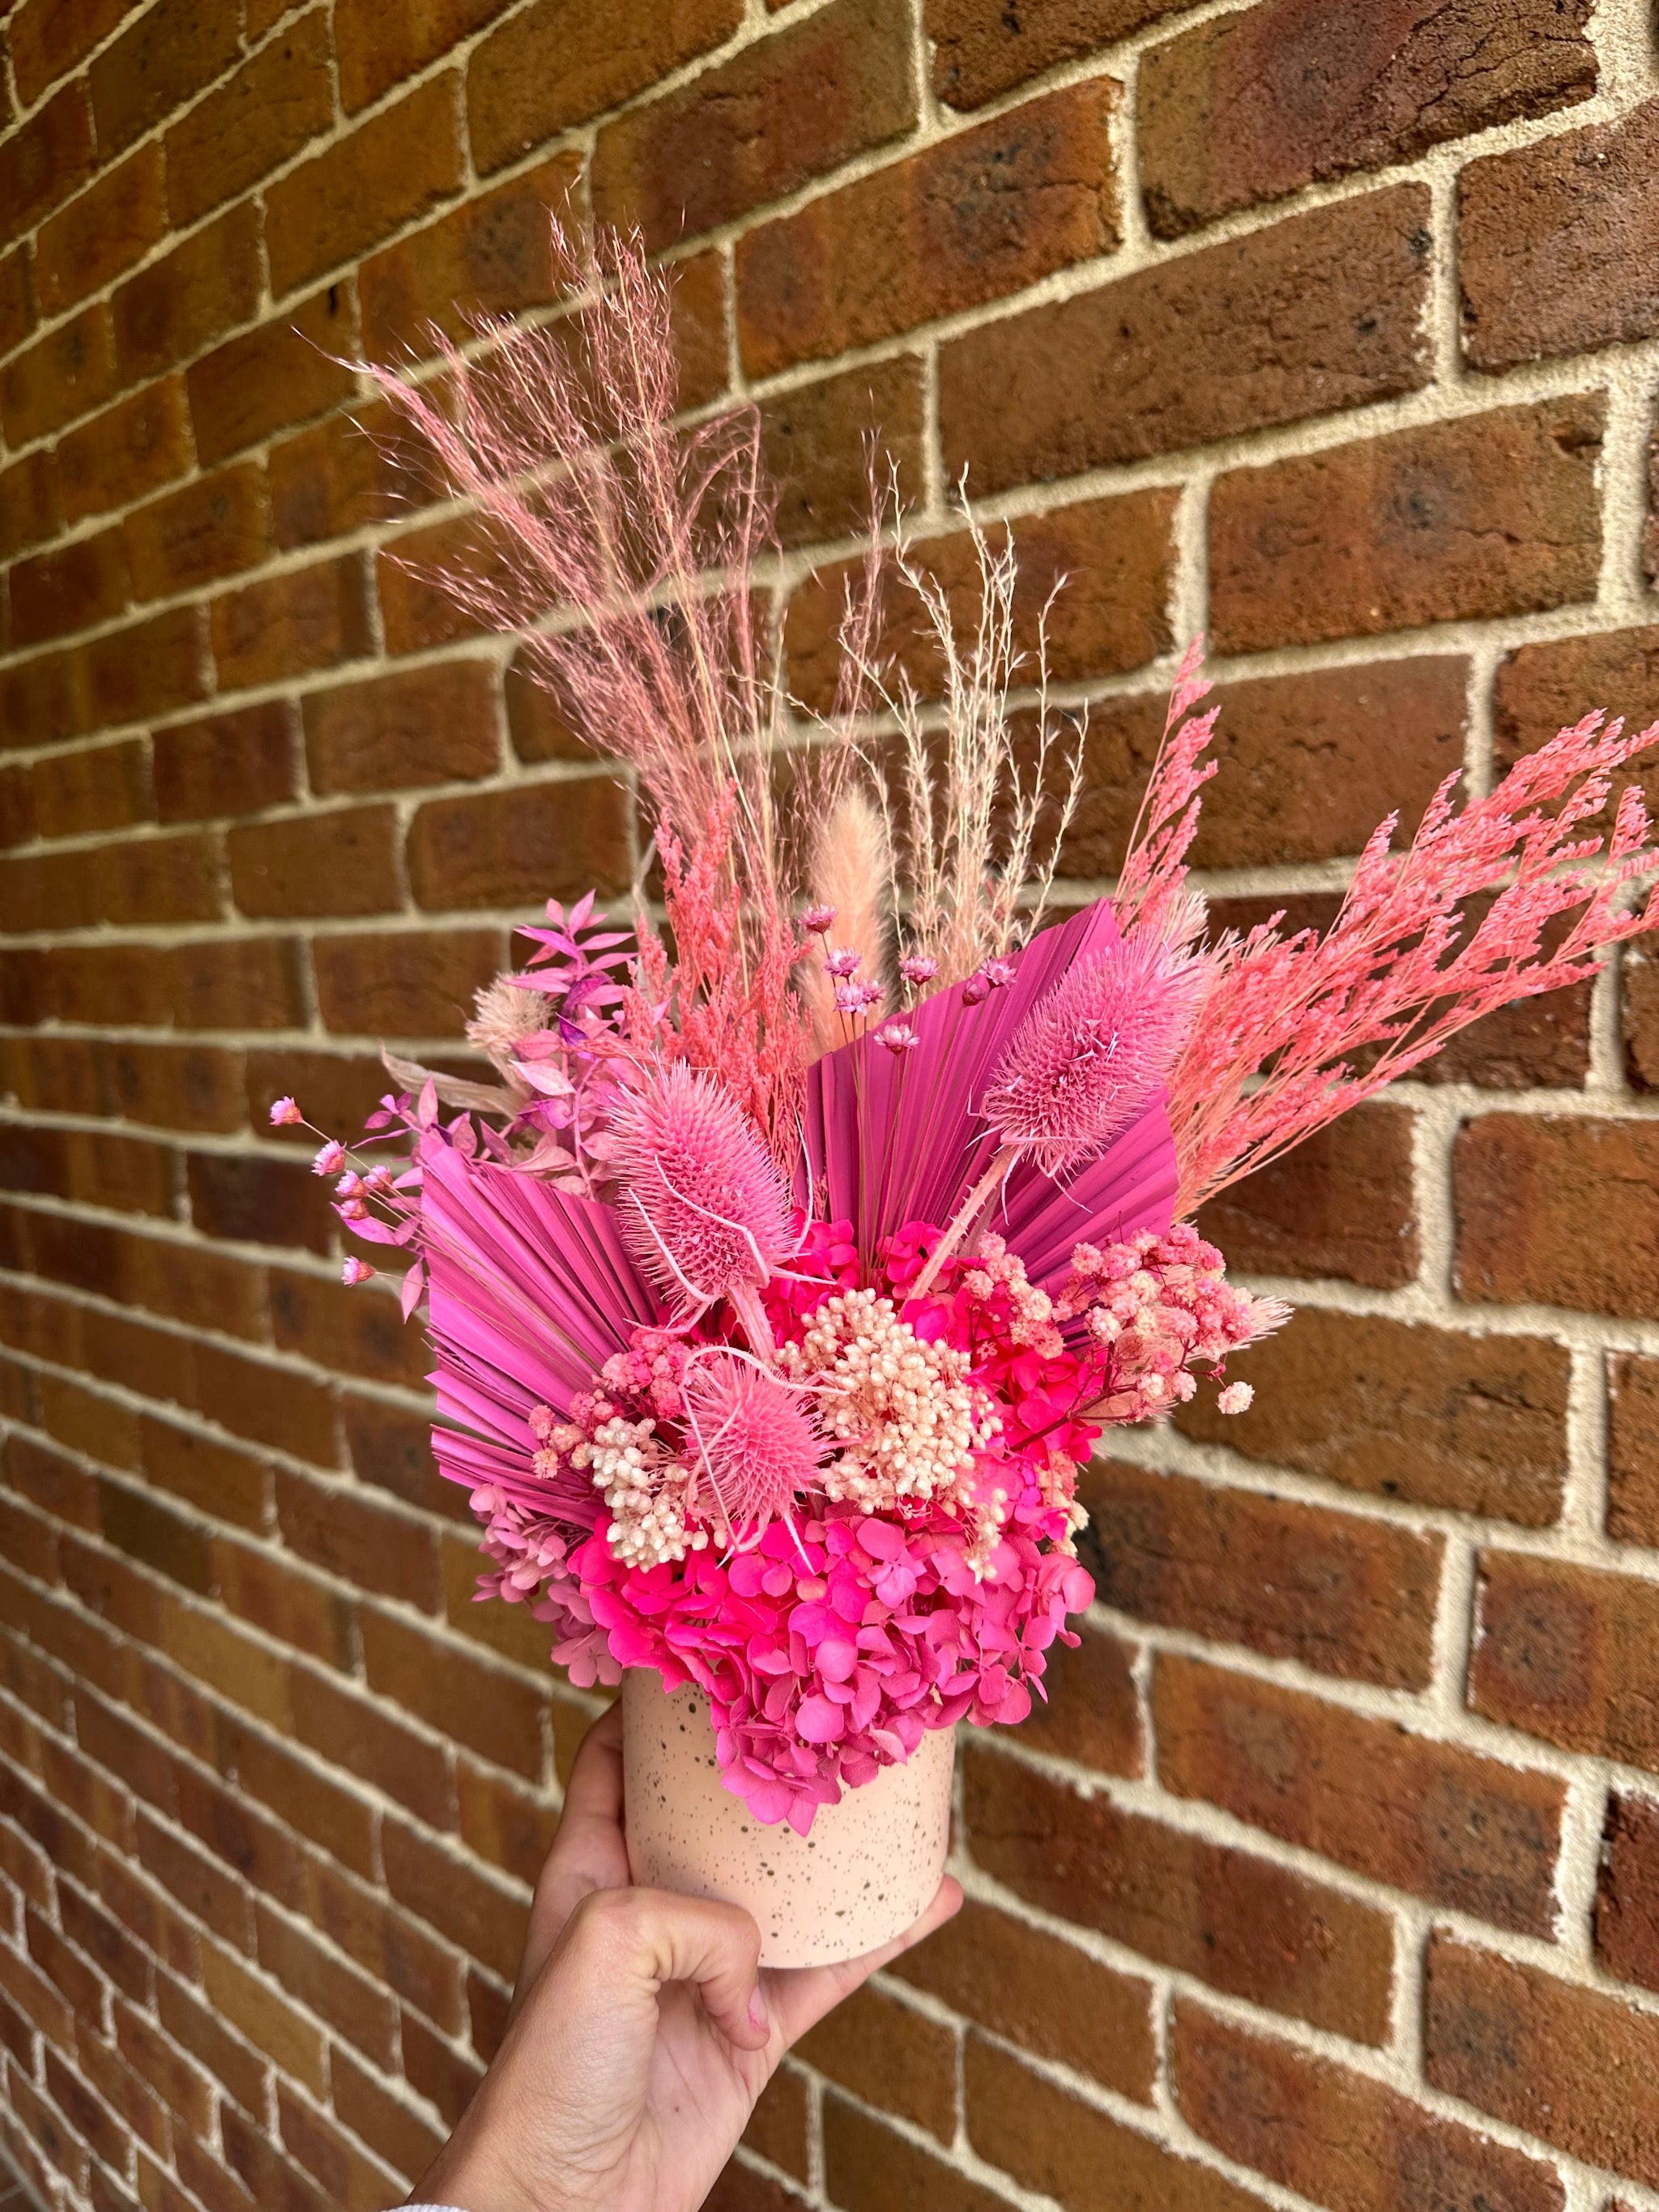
[[703, 1210], [1087, 1055], [757, 1441]]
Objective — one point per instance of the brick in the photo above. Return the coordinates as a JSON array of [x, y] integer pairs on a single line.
[[258, 1200], [531, 840], [150, 668], [346, 2171], [348, 1999], [1342, 1204], [374, 51], [1346, 1595], [981, 48], [1234, 1921], [150, 1531], [509, 1828], [464, 1699], [1634, 1449], [267, 1405], [1554, 243], [890, 2055], [1560, 1652], [170, 52], [1640, 1022], [192, 2025], [360, 1539], [47, 39], [481, 1918], [41, 2125], [211, 528], [207, 1474], [559, 63], [161, 879], [251, 124], [265, 1591], [347, 471], [1042, 1993], [868, 2164], [1429, 1818], [1092, 1713], [790, 107], [176, 1086], [76, 587], [492, 255], [1051, 2141], [118, 2108], [1118, 554], [99, 235], [322, 1808], [18, 313], [342, 861], [181, 2086], [87, 1422], [135, 447], [132, 1176], [1577, 2067], [260, 2013], [190, 297], [365, 186], [122, 1961], [389, 2126], [1474, 1424], [286, 372], [412, 727], [1238, 111], [239, 762], [1626, 1910], [393, 1948], [358, 1331], [435, 2069], [423, 576], [1538, 689], [815, 445], [338, 1092], [43, 161], [1487, 515], [242, 982], [196, 1882], [404, 983], [280, 626], [1316, 313], [47, 694], [29, 509], [1338, 2136], [986, 213], [1533, 1196], [697, 318]]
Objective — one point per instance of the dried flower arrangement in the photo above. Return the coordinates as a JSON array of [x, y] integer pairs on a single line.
[[793, 1256]]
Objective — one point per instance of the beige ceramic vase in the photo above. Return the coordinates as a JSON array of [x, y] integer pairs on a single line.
[[871, 1864]]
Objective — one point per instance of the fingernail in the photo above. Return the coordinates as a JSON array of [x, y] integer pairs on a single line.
[[758, 2016]]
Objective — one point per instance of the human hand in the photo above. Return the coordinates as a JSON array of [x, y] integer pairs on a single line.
[[641, 2030]]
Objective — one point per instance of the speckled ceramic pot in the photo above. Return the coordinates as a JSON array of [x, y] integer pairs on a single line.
[[869, 1867]]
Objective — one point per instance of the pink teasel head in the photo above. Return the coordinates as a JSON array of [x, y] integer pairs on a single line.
[[1088, 1055], [703, 1210], [756, 1442]]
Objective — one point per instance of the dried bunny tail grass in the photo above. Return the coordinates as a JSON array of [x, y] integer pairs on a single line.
[[852, 872], [638, 540], [964, 809]]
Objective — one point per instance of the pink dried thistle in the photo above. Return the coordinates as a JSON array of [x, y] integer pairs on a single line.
[[703, 1210], [1085, 1057], [757, 1441]]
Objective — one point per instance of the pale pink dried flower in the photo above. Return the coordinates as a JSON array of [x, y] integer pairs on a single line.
[[329, 1159], [1236, 1398], [758, 1442], [917, 969], [703, 1210], [355, 1271], [1090, 1052], [283, 1111], [818, 920], [842, 962], [897, 1036]]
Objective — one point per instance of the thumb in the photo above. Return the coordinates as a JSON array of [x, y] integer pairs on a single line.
[[646, 1937]]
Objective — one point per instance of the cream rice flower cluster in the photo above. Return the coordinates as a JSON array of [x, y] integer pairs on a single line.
[[909, 1417], [647, 1492]]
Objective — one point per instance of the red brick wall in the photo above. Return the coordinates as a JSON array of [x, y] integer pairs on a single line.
[[1327, 326]]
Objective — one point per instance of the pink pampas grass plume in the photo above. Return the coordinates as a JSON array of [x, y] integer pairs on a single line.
[[852, 875], [756, 1440], [1088, 1054], [703, 1211]]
